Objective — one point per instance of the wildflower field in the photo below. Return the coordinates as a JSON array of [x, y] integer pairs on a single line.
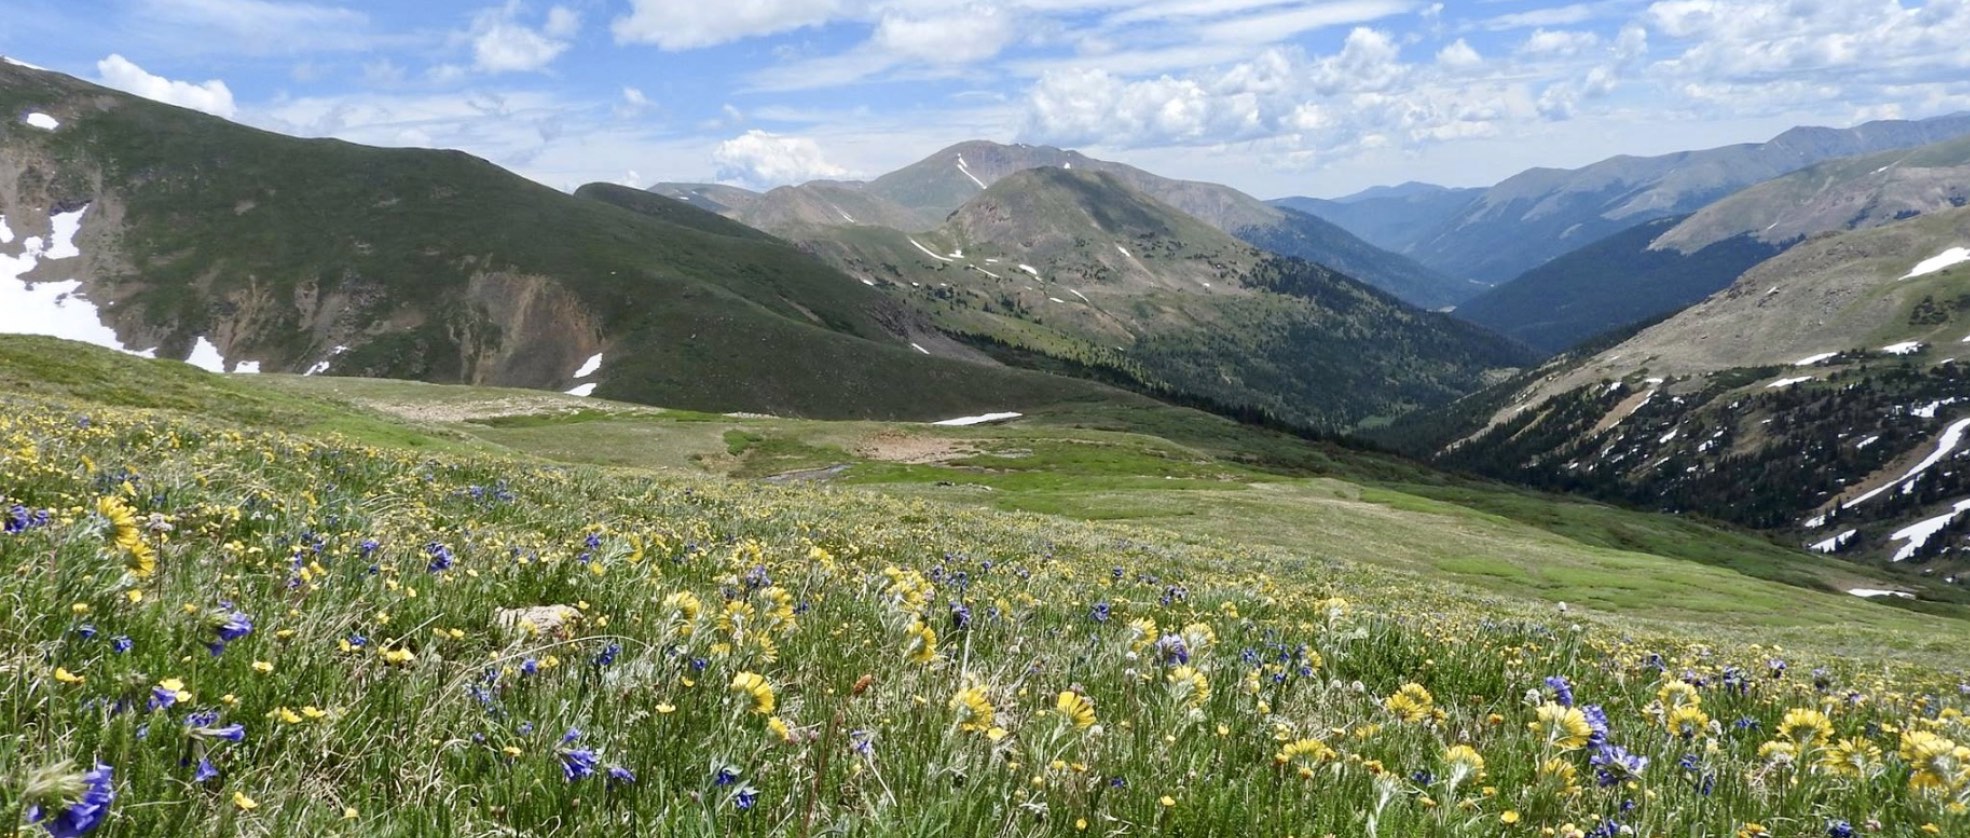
[[216, 630]]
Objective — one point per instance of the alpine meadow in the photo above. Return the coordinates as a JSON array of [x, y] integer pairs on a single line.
[[1269, 418]]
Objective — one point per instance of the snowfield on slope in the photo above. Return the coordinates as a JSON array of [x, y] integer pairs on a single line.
[[1945, 259]]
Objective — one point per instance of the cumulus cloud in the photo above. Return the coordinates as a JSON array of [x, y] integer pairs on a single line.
[[1299, 106], [1459, 56], [1738, 40], [212, 97], [760, 159], [503, 44], [961, 36], [689, 24], [1558, 43]]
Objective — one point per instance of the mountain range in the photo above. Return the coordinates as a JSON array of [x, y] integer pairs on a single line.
[[921, 195]]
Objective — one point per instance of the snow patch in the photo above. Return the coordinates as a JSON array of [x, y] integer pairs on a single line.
[[1029, 269], [588, 368], [1787, 382], [206, 356], [978, 420], [1952, 437], [919, 349], [1833, 545], [1952, 256], [317, 368], [1918, 533], [57, 308], [7, 235], [1867, 442], [42, 121], [1057, 299], [869, 283], [967, 172], [1907, 347], [1666, 438], [247, 368], [928, 252], [583, 391], [1084, 297], [1813, 359], [1125, 251], [1870, 593]]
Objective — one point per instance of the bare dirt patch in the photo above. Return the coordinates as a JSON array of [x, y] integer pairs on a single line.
[[901, 447]]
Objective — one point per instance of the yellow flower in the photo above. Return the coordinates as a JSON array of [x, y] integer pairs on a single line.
[[349, 813], [245, 804], [973, 708], [262, 667], [666, 709], [139, 559], [1851, 758], [1805, 727], [1933, 760], [1687, 720], [1190, 685], [1463, 759], [1675, 694], [66, 677], [1561, 772], [1563, 727], [1508, 817], [1752, 830], [920, 643], [80, 609], [1410, 703], [1303, 755], [313, 712], [1168, 801], [1076, 708], [1778, 752], [287, 716], [780, 729], [399, 657], [754, 686]]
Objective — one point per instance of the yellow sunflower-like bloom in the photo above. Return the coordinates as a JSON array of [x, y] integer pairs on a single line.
[[754, 686], [1805, 727], [1563, 727], [1303, 756], [920, 643], [1076, 708], [1410, 703], [126, 536], [1851, 758], [974, 710], [1688, 721]]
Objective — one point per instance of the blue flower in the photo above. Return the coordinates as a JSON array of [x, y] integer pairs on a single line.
[[121, 643], [1617, 765], [725, 775], [960, 616], [205, 771], [620, 776], [576, 763], [83, 814], [441, 557], [1099, 612], [1562, 691], [745, 797], [1596, 725], [608, 655], [230, 626], [1170, 649], [1839, 829]]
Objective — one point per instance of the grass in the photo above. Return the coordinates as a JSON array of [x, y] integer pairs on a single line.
[[1299, 656]]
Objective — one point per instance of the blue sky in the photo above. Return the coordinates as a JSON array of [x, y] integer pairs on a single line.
[[1277, 97]]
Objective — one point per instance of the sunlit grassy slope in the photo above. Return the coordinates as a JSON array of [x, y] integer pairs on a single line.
[[712, 627]]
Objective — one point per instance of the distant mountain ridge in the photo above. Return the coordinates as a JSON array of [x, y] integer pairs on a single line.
[[1536, 215], [1077, 270], [1393, 218], [1662, 265], [1820, 397], [919, 196]]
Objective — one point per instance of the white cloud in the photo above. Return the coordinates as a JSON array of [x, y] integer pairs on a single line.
[[212, 97], [1273, 27], [757, 158], [1553, 16], [255, 27], [689, 24], [1560, 43], [962, 36], [502, 44], [1459, 56]]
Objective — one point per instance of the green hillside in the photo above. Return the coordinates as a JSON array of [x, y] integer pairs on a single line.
[[439, 266], [1611, 284], [488, 638], [1076, 271]]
